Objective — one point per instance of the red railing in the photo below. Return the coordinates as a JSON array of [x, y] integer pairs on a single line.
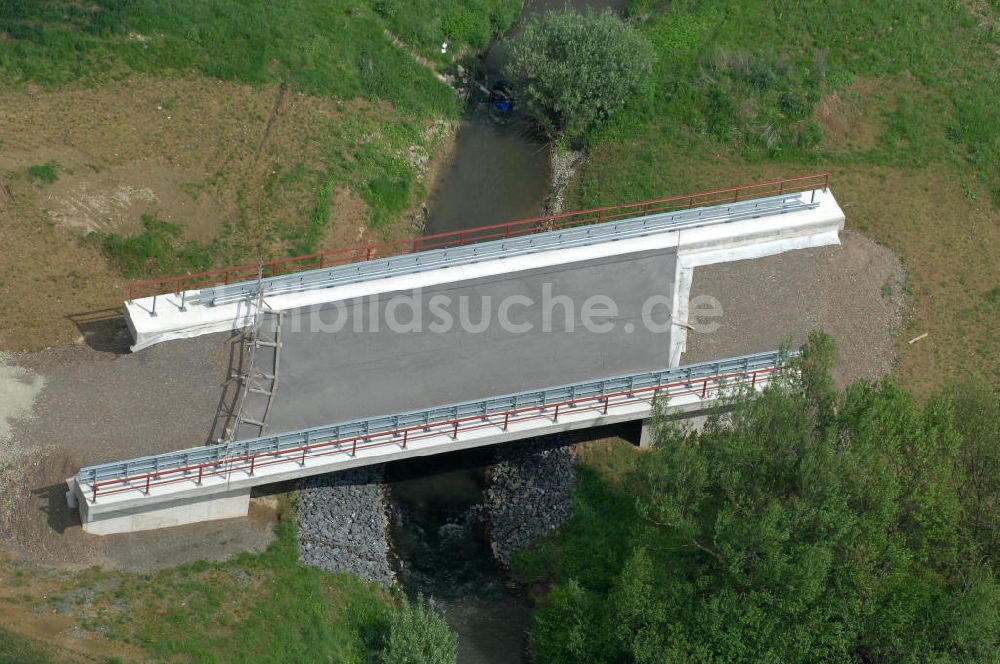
[[458, 238], [404, 436]]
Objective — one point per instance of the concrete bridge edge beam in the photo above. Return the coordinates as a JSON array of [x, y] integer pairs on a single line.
[[230, 503]]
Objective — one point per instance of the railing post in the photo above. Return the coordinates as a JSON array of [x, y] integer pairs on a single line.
[[201, 470], [506, 420], [94, 499], [406, 434], [691, 202], [555, 418], [131, 287], [368, 254], [704, 388], [606, 405], [253, 462], [753, 379], [781, 187], [455, 433], [304, 450], [148, 477], [321, 259]]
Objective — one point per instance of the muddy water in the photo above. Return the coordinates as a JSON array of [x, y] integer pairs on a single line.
[[499, 172]]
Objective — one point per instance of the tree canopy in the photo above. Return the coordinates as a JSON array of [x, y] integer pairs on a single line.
[[570, 69], [801, 525]]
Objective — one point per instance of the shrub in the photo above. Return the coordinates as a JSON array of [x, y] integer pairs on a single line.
[[571, 70], [44, 172], [803, 524], [419, 635]]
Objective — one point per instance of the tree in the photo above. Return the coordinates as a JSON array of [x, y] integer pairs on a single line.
[[570, 70], [806, 525], [419, 635]]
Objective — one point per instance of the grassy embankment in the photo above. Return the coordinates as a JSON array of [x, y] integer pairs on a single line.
[[378, 148], [899, 100], [254, 608]]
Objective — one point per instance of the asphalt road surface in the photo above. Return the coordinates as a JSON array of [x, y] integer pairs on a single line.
[[343, 362]]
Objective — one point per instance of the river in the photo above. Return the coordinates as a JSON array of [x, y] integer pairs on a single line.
[[498, 172]]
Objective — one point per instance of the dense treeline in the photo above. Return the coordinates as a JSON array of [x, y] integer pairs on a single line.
[[803, 525]]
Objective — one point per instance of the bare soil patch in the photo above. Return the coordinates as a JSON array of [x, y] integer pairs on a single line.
[[199, 153], [852, 118], [23, 599]]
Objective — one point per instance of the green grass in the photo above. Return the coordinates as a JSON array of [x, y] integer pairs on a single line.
[[321, 48], [749, 76], [897, 99], [426, 24], [45, 173], [159, 249], [17, 649], [255, 608], [598, 536]]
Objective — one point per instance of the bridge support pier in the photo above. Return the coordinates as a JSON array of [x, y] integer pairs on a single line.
[[187, 508], [647, 434]]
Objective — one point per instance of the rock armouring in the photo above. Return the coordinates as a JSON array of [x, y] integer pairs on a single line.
[[530, 493], [343, 521]]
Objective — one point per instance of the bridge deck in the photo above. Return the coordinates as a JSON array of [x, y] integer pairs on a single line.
[[332, 376]]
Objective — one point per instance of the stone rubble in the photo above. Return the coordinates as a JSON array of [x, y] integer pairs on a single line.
[[562, 165], [530, 493], [343, 524]]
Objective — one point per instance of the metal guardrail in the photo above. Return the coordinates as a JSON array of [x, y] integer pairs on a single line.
[[504, 248], [194, 463], [227, 275]]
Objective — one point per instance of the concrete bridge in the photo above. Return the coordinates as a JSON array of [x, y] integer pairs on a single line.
[[354, 392]]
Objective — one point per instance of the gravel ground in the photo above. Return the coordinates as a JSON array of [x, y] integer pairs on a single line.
[[854, 292], [343, 521], [530, 493], [74, 406]]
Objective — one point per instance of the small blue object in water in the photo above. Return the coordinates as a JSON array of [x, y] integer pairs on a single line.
[[503, 105]]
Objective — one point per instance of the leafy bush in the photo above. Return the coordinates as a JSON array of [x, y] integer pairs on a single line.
[[45, 172], [571, 70], [419, 635], [804, 525]]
